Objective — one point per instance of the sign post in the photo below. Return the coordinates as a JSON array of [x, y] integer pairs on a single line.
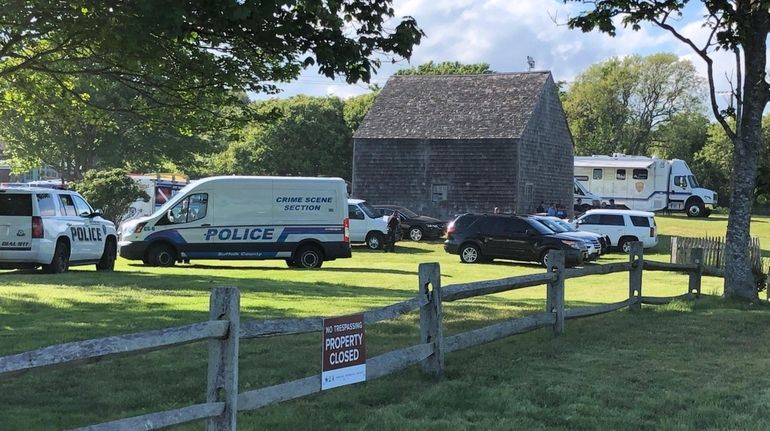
[[344, 351]]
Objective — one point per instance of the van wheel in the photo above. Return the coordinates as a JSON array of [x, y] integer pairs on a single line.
[[309, 257], [107, 262], [61, 259], [469, 253], [291, 263], [624, 244], [375, 240], [161, 255], [415, 233]]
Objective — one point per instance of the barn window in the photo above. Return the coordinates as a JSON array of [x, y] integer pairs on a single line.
[[440, 192]]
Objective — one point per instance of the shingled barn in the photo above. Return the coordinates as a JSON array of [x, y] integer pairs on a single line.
[[448, 144]]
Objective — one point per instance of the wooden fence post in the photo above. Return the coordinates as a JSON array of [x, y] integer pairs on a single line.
[[431, 325], [674, 249], [695, 276], [222, 384], [636, 257], [554, 302]]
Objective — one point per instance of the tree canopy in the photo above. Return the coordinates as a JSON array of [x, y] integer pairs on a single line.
[[446, 68], [736, 26]]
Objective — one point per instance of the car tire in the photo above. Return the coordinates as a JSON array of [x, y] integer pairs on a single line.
[[375, 240], [624, 244], [415, 233], [309, 257], [60, 262], [291, 263], [107, 261], [544, 257], [470, 253], [695, 209], [161, 255]]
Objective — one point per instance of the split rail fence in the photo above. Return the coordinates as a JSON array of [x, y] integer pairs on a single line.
[[224, 332]]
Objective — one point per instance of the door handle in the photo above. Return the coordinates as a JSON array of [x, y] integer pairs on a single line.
[[206, 225]]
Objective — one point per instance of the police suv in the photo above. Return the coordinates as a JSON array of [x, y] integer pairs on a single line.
[[54, 229]]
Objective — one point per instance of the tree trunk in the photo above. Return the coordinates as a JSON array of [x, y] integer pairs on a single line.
[[739, 279]]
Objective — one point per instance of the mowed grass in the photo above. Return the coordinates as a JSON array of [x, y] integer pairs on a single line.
[[703, 365]]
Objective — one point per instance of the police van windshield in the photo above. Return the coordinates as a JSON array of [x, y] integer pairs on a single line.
[[173, 201]]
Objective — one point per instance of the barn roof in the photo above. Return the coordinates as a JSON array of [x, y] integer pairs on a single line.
[[495, 105]]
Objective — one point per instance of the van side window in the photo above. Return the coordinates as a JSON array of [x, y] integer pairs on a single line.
[[612, 220], [640, 174], [15, 204], [355, 213], [81, 206], [45, 204], [494, 226], [640, 221], [680, 181], [591, 219], [67, 206], [190, 209], [620, 175], [598, 174]]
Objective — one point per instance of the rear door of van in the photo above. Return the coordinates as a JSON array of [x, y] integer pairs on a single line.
[[15, 221]]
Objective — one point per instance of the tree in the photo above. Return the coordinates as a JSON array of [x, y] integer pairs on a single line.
[[617, 105], [681, 137], [737, 26], [307, 136], [112, 191], [446, 68], [356, 109], [167, 48]]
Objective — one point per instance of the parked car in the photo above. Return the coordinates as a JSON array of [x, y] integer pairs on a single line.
[[367, 225], [414, 226], [53, 229], [621, 226], [480, 237], [592, 240], [563, 226]]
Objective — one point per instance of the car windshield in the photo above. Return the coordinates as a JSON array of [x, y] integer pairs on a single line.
[[567, 227], [554, 226], [542, 229], [369, 210], [407, 212]]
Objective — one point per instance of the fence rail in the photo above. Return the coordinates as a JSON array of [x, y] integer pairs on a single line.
[[224, 332]]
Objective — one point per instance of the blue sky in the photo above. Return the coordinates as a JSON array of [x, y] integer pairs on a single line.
[[504, 32]]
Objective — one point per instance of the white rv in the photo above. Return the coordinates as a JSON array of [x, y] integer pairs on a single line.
[[159, 187], [645, 183], [302, 220], [584, 199]]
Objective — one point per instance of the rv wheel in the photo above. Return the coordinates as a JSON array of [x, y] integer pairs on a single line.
[[695, 209]]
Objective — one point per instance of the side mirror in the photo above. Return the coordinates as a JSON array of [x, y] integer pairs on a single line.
[[96, 213], [170, 216]]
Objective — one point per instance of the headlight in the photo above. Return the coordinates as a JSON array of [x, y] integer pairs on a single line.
[[573, 244]]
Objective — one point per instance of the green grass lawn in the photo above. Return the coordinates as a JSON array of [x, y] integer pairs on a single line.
[[683, 366]]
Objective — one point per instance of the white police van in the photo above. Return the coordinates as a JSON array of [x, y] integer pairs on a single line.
[[301, 220], [54, 229]]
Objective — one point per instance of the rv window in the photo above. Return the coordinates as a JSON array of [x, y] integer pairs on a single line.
[[598, 174], [640, 174], [640, 221], [680, 181], [621, 175], [581, 177]]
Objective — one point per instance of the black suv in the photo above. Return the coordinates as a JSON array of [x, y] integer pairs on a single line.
[[483, 237], [415, 227]]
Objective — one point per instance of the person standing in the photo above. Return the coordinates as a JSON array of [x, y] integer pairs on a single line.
[[540, 208], [552, 210], [394, 225]]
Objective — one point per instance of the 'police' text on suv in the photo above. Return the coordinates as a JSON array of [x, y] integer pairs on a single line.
[[53, 229], [483, 237]]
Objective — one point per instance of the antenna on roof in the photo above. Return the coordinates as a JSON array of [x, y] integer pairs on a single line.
[[531, 63]]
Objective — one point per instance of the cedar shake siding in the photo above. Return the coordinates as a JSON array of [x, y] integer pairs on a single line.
[[446, 145]]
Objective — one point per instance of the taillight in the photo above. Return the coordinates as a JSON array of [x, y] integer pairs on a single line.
[[37, 227], [139, 227], [450, 229], [346, 235], [652, 232]]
